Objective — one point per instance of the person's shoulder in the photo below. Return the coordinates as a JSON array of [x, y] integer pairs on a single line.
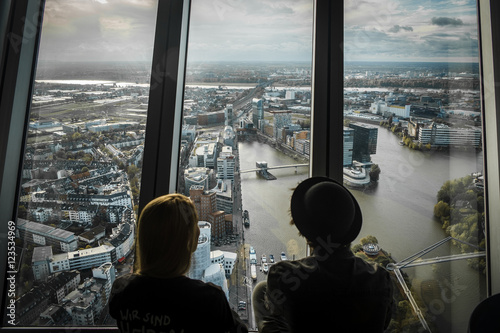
[[123, 281], [286, 269], [287, 265], [372, 270], [204, 287]]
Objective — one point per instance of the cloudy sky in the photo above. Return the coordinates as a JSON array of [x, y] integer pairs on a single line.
[[93, 30], [266, 30], [411, 30]]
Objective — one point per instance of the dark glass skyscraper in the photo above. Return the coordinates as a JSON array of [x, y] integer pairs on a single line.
[[365, 142]]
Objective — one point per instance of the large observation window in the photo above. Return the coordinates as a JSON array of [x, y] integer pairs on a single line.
[[246, 133], [412, 109], [82, 166]]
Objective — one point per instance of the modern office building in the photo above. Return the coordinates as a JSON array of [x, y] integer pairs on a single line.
[[226, 164], [188, 133], [203, 155], [202, 266], [348, 146], [365, 142], [201, 257], [198, 176], [281, 119], [228, 136], [224, 195], [224, 258], [444, 136], [257, 112], [83, 259], [228, 113]]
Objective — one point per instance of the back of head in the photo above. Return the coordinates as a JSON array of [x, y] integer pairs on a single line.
[[325, 212], [167, 235]]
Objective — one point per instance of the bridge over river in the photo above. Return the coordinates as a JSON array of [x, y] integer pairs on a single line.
[[262, 169]]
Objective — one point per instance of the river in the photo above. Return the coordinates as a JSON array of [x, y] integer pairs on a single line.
[[399, 212]]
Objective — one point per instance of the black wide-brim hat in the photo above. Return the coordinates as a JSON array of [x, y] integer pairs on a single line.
[[323, 208]]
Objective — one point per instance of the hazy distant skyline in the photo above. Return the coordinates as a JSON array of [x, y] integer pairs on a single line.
[[262, 30]]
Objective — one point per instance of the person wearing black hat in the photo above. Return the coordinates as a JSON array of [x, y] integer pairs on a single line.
[[332, 290]]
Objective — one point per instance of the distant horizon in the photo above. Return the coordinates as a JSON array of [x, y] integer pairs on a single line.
[[257, 61]]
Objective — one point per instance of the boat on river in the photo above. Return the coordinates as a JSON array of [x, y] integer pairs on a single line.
[[246, 218]]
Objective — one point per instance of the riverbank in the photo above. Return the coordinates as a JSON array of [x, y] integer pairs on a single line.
[[288, 151]]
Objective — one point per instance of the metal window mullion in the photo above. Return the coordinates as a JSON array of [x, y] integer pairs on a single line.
[[21, 39], [327, 88], [161, 147], [490, 90]]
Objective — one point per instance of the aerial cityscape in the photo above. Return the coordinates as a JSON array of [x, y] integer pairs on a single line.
[[81, 176]]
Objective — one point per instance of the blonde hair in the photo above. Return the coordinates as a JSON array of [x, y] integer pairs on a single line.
[[167, 235]]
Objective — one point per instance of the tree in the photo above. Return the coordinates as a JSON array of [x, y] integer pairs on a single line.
[[442, 210], [76, 136], [356, 248], [444, 193], [368, 239], [132, 170], [22, 212], [374, 172], [404, 309]]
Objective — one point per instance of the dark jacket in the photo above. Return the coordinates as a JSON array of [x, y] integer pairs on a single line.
[[341, 292], [180, 304]]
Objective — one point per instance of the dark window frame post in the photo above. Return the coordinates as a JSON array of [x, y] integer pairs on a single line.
[[163, 127], [490, 89], [327, 87], [20, 36]]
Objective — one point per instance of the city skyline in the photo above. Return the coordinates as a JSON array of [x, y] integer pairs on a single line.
[[262, 30]]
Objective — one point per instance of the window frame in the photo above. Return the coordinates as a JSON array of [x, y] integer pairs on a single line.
[[489, 48], [20, 25]]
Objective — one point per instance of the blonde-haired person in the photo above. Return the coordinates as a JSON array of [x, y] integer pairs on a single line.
[[158, 296]]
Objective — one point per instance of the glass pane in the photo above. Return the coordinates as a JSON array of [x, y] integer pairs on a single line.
[[246, 112], [82, 168], [412, 111]]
